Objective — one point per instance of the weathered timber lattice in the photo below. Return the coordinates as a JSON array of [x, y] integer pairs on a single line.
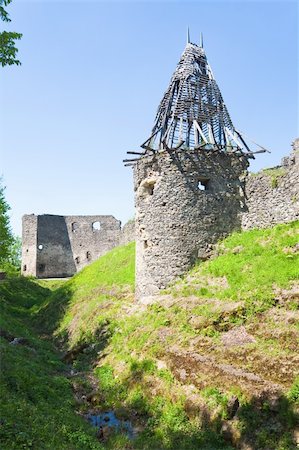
[[192, 113]]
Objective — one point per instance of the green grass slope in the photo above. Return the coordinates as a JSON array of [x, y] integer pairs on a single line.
[[37, 405], [228, 329], [73, 312], [211, 363]]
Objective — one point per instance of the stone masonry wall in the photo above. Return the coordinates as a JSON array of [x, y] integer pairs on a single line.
[[29, 251], [272, 196], [59, 246], [184, 202], [127, 233]]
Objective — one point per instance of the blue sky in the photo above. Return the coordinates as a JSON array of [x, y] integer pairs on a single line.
[[94, 72]]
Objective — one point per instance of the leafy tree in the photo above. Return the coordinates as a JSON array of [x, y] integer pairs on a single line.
[[6, 237], [10, 245], [8, 50], [15, 253]]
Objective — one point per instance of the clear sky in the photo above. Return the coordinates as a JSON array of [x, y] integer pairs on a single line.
[[94, 72]]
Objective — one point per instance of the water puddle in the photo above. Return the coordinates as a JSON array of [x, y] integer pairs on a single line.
[[108, 421]]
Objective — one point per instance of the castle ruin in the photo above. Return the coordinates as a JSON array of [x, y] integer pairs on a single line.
[[191, 188], [190, 179], [59, 246], [272, 195]]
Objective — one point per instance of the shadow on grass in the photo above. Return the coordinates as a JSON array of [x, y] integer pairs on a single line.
[[168, 423], [53, 309]]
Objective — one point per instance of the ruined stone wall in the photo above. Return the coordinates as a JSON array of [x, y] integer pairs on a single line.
[[59, 246], [272, 195], [184, 201], [29, 251], [127, 233]]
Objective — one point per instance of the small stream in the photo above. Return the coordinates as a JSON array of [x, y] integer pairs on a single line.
[[110, 421]]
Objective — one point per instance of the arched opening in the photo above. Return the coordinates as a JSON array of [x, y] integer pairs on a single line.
[[96, 226], [75, 226]]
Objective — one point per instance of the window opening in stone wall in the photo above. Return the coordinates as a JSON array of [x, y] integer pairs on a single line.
[[27, 250], [40, 247], [96, 226], [203, 185], [88, 256], [41, 267], [77, 260], [24, 268], [75, 226]]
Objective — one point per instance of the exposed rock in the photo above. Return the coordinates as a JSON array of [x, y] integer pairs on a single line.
[[20, 341], [296, 436], [199, 322], [237, 336], [203, 371], [161, 365], [291, 250], [163, 333], [238, 249], [284, 296]]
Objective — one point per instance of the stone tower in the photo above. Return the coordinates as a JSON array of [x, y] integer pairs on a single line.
[[189, 179]]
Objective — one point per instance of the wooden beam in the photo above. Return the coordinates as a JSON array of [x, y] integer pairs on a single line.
[[135, 153]]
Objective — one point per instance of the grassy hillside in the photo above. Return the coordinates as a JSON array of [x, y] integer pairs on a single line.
[[73, 312], [211, 363], [37, 404]]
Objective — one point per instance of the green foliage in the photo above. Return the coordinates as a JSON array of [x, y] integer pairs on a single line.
[[16, 253], [12, 264], [4, 14], [268, 430], [6, 237], [293, 393], [274, 175], [8, 50], [216, 398], [10, 246]]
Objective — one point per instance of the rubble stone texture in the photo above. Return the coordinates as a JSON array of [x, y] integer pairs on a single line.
[[184, 202], [272, 196]]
